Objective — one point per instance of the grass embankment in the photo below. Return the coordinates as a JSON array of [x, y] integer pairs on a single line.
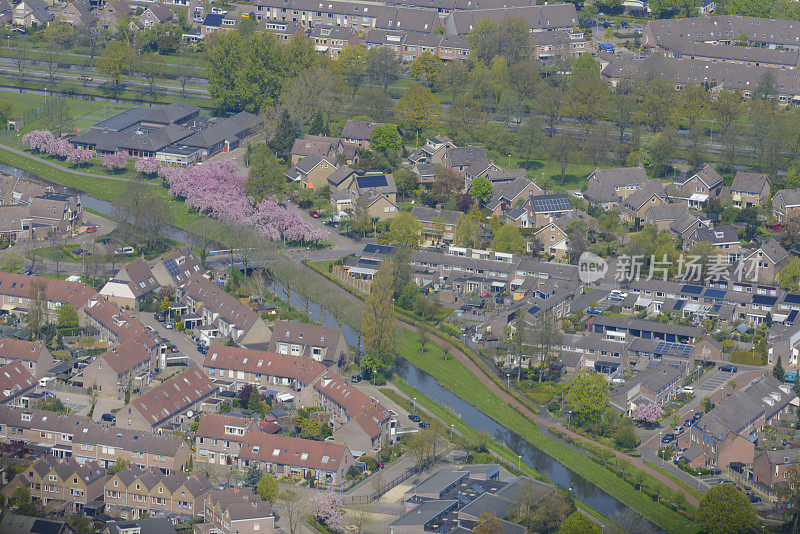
[[673, 478], [456, 377], [104, 189]]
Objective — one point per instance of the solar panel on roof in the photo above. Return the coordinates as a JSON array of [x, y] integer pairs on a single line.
[[714, 293], [676, 349], [792, 298], [371, 180], [679, 304], [792, 316], [693, 290], [533, 309], [764, 300], [172, 267], [559, 203]]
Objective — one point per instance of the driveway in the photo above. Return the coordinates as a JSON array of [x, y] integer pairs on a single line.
[[185, 345]]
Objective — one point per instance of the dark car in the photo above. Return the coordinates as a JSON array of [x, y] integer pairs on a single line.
[[697, 416], [314, 213], [668, 438], [688, 422], [624, 24], [753, 497], [174, 349], [727, 368], [424, 424], [159, 317], [355, 379], [414, 417], [202, 349], [109, 418]]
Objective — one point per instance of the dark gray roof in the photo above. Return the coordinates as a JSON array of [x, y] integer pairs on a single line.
[[774, 251], [466, 155], [791, 197], [749, 182], [684, 222], [171, 113], [551, 203], [439, 481], [508, 191], [20, 524], [667, 212], [708, 175], [718, 234], [426, 513], [424, 214], [359, 129], [147, 526], [122, 120], [644, 324], [488, 503], [230, 129], [545, 17], [640, 197], [620, 176], [340, 175]]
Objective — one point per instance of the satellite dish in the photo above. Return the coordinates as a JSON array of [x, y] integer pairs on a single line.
[[190, 413]]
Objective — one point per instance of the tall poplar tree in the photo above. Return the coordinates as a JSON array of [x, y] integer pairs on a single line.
[[377, 323]]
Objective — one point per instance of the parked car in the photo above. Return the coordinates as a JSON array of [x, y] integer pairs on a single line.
[[173, 349], [688, 422], [668, 438], [753, 497], [314, 213], [159, 317], [91, 229], [414, 417], [109, 418], [168, 325], [727, 368], [697, 416], [688, 389], [81, 252], [678, 430], [424, 424], [85, 78]]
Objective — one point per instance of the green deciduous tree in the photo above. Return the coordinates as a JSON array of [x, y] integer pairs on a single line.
[[587, 398], [578, 523], [405, 231], [268, 488], [114, 62], [418, 109], [481, 189], [508, 239], [67, 316], [426, 69], [377, 325], [466, 233], [265, 177], [789, 276], [285, 134], [353, 64], [724, 510], [383, 67], [509, 39], [386, 142]]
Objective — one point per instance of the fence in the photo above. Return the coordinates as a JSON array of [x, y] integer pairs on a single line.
[[64, 388], [359, 284], [355, 499]]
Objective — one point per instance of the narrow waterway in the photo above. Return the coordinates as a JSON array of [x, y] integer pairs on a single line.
[[418, 379]]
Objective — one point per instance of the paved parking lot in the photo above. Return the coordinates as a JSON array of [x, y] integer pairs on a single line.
[[185, 344]]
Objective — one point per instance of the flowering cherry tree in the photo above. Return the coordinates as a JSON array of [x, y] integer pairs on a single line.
[[327, 508], [218, 189], [38, 140], [149, 167], [116, 161], [79, 156], [648, 413], [59, 147]]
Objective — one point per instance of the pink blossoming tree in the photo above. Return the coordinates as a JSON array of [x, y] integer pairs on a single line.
[[150, 167], [38, 140], [116, 161], [649, 413], [327, 508], [80, 157]]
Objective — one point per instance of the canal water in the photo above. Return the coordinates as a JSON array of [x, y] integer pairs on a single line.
[[423, 382]]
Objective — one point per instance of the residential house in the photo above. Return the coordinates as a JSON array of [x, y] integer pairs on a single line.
[[620, 329], [65, 480], [786, 204], [320, 343], [723, 238], [133, 283], [766, 261], [438, 224], [332, 40], [33, 355], [77, 14], [470, 160], [432, 152], [219, 315], [312, 171], [772, 467], [134, 492], [219, 438], [553, 236], [325, 462], [701, 186], [318, 145], [544, 209], [357, 419], [663, 215], [15, 383], [173, 404], [160, 525], [342, 179], [564, 44], [112, 13], [749, 189], [507, 195], [728, 432], [214, 22], [635, 205], [622, 181], [23, 524], [131, 364], [238, 510], [176, 267], [276, 372], [86, 441], [153, 15], [30, 13], [15, 294], [358, 133], [60, 212], [655, 385], [15, 191], [111, 323], [684, 226]]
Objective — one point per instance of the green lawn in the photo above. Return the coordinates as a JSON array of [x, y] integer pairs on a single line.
[[456, 377], [673, 478]]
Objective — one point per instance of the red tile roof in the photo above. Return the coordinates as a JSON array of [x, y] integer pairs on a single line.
[[19, 285], [14, 379], [212, 425], [367, 412], [173, 396], [305, 370], [128, 354], [293, 451], [15, 349], [117, 321]]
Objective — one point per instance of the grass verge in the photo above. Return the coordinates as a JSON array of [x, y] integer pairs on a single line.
[[456, 377], [678, 481]]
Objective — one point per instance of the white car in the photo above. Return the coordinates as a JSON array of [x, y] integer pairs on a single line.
[[688, 389], [577, 194]]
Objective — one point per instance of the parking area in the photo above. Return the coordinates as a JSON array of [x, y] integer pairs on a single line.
[[186, 346]]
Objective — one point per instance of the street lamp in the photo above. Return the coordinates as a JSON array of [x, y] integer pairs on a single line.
[[661, 436], [519, 462], [569, 418], [415, 406], [509, 160], [451, 433], [508, 380]]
